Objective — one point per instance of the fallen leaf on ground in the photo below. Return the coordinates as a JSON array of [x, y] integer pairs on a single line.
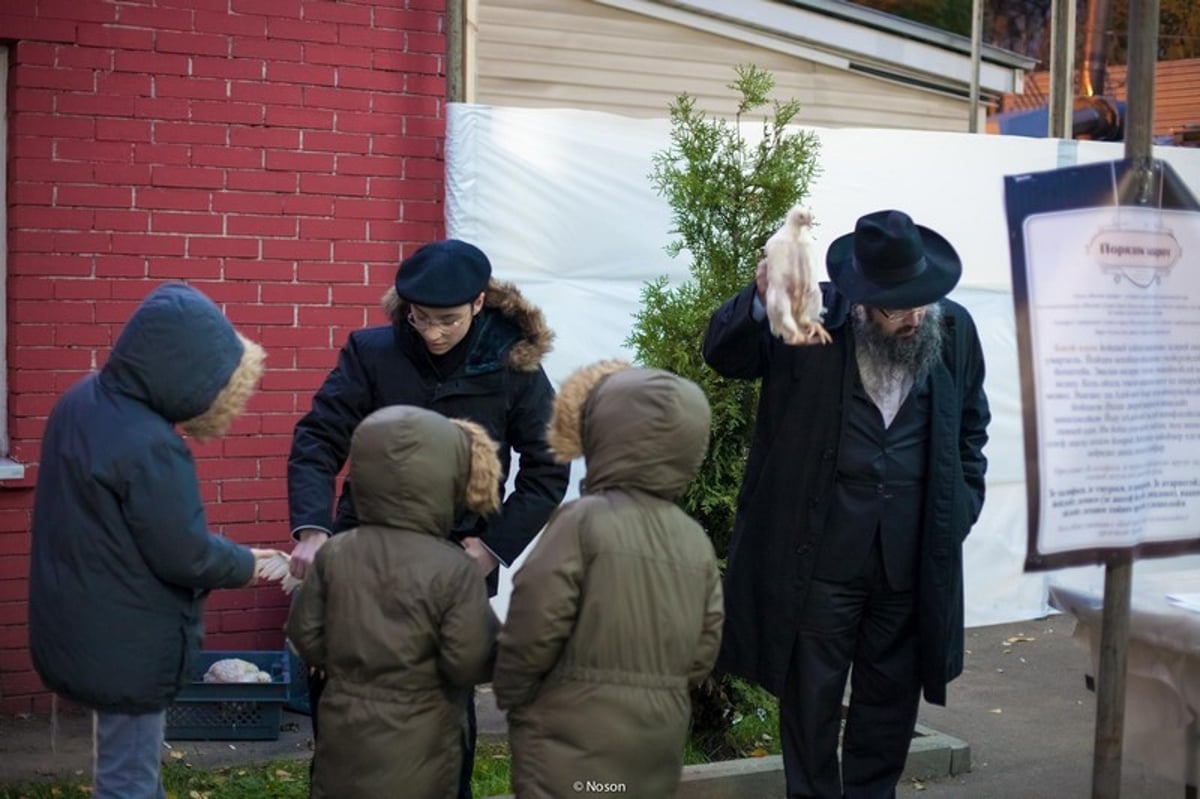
[[1019, 638], [996, 710]]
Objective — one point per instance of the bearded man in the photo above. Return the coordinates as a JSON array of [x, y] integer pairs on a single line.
[[865, 474]]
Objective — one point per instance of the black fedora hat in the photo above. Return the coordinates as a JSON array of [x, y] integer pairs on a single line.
[[890, 262]]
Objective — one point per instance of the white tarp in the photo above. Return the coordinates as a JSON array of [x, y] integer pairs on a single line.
[[562, 203]]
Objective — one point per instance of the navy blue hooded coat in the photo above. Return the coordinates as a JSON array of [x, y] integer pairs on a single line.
[[122, 555]]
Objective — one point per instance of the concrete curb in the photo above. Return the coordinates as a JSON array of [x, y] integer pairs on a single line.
[[931, 755]]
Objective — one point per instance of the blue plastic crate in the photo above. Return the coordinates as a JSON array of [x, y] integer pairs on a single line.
[[206, 711]]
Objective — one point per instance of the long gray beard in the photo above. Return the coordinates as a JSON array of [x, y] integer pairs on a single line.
[[891, 366]]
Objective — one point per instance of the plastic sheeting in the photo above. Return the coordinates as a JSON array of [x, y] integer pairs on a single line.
[[562, 202]]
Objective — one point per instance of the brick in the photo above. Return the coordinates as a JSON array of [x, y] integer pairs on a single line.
[[191, 88], [32, 193], [52, 359], [50, 264], [73, 80], [281, 28], [325, 11], [264, 137], [246, 202], [414, 63], [268, 50], [79, 289], [336, 142], [116, 266], [378, 81], [229, 68], [90, 57], [81, 242], [285, 161], [334, 184], [222, 247], [288, 249], [405, 146], [32, 100], [116, 38], [38, 218], [351, 122], [79, 150], [269, 8], [77, 12], [192, 43], [158, 64], [308, 118], [377, 38], [166, 222], [123, 130], [333, 273], [221, 21], [185, 177], [32, 336], [429, 212], [120, 84], [399, 231], [174, 199], [147, 244], [269, 446], [43, 53], [95, 196], [407, 20], [32, 147], [369, 165], [121, 174], [260, 181], [162, 154], [238, 157], [250, 225], [222, 291], [44, 126], [95, 106], [259, 314], [225, 111], [355, 251], [260, 270], [235, 490], [295, 294], [423, 43], [159, 19], [161, 108], [338, 55], [354, 208], [123, 220], [350, 99], [307, 74], [188, 132], [37, 29], [267, 93], [308, 205], [336, 229], [192, 267], [83, 335]]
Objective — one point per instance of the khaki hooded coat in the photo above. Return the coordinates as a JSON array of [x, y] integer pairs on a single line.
[[618, 608], [396, 614]]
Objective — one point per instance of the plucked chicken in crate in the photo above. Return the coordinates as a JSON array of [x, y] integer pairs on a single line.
[[232, 696]]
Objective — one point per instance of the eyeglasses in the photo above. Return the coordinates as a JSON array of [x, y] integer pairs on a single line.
[[422, 323], [892, 314]]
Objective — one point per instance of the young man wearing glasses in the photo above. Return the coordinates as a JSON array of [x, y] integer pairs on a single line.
[[865, 474], [461, 344]]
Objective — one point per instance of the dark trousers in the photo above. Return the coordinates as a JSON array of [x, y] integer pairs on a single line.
[[865, 623], [316, 685]]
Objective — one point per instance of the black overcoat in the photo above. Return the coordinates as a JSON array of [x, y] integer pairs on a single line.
[[786, 492]]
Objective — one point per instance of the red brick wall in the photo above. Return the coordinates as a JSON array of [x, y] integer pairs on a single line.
[[277, 154]]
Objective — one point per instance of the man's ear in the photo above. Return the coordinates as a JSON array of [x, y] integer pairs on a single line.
[[477, 303]]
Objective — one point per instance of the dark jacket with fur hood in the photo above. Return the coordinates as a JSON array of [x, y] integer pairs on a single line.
[[122, 555], [500, 385], [617, 610]]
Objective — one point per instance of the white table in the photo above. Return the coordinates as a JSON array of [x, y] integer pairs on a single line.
[[1162, 691]]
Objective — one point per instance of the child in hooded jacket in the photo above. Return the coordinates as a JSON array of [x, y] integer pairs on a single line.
[[396, 614], [122, 555], [617, 611]]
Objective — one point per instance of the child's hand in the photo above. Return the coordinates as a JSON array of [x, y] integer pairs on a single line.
[[483, 557]]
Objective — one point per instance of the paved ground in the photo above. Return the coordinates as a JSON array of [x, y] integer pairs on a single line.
[[1021, 706]]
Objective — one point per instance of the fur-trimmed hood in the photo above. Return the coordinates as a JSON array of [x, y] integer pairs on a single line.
[[415, 469], [636, 428], [529, 340], [182, 358]]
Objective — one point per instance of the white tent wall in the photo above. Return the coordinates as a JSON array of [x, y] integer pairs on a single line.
[[562, 203]]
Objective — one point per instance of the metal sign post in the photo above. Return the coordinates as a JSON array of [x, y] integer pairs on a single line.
[[1118, 573]]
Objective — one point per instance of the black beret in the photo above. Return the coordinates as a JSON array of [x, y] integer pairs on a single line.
[[442, 274]]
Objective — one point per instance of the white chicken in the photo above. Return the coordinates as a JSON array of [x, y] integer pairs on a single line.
[[272, 565], [235, 670], [793, 296]]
